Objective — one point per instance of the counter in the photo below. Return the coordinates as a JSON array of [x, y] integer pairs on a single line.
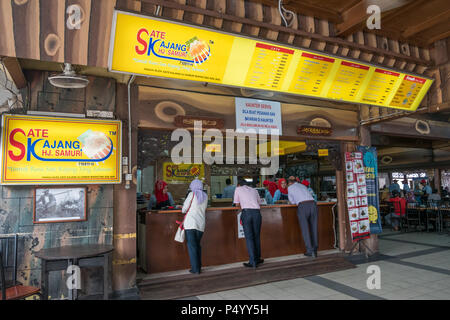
[[280, 236]]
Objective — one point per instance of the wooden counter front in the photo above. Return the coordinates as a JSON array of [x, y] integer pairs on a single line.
[[280, 236]]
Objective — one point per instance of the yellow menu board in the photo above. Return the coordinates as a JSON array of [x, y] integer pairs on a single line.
[[48, 150], [408, 91], [268, 66], [380, 86], [348, 81], [151, 46], [182, 173], [312, 72]]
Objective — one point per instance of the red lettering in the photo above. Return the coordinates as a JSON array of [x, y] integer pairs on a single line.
[[141, 41], [16, 144], [30, 133], [45, 133], [168, 171]]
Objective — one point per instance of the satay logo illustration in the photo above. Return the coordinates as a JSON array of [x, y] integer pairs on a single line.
[[194, 51], [91, 146]]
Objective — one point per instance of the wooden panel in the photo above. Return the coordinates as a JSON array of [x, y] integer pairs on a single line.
[[194, 17], [174, 13], [234, 8], [77, 40], [52, 13], [217, 6], [7, 46], [99, 32], [253, 11], [280, 236], [27, 32]]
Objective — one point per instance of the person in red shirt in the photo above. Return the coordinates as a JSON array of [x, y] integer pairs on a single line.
[[399, 204]]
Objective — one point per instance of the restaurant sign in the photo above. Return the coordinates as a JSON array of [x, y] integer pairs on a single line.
[[314, 131], [48, 150], [182, 173], [152, 46]]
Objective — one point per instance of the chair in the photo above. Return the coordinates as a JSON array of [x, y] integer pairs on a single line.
[[433, 215], [412, 215], [11, 289]]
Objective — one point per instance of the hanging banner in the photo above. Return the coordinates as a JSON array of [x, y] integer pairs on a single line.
[[371, 170], [152, 46], [48, 150], [182, 173], [357, 201]]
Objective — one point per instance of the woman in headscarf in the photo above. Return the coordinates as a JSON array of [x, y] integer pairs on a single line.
[[194, 223], [161, 197], [282, 192], [271, 188]]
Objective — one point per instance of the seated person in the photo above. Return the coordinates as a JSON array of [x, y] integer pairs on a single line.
[[161, 197], [282, 192], [228, 191], [399, 210], [271, 188]]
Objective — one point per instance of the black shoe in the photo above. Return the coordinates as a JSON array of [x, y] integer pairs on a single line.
[[191, 271], [310, 254], [249, 265], [315, 252], [260, 261]]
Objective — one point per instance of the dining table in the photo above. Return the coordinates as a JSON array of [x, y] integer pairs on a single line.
[[85, 255]]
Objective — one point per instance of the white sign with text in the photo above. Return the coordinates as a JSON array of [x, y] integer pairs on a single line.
[[258, 115]]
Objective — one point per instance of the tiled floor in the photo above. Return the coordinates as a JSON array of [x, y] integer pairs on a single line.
[[413, 266]]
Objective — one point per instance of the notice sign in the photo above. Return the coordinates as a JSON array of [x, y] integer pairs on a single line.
[[240, 227], [47, 150], [258, 114], [357, 202], [156, 47]]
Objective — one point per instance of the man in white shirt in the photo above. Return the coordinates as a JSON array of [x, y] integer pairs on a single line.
[[307, 214]]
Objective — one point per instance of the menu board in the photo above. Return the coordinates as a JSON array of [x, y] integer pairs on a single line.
[[357, 201], [268, 66], [150, 46], [348, 80]]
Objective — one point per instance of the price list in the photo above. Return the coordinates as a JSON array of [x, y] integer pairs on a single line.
[[311, 74], [347, 81], [408, 91], [380, 86], [268, 66]]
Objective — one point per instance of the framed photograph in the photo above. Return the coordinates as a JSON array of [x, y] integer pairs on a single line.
[[59, 204]]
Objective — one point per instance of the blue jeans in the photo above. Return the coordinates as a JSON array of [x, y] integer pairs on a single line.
[[251, 222], [392, 219], [193, 238]]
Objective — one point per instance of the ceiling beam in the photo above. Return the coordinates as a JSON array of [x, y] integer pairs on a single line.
[[296, 32], [420, 26], [352, 19], [306, 9], [14, 69]]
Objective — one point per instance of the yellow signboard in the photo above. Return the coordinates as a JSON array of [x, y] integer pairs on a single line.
[[182, 173], [150, 46], [47, 150], [322, 152]]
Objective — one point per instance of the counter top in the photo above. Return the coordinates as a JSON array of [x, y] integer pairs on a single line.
[[319, 203]]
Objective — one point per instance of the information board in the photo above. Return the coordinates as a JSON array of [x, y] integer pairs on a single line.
[[357, 200], [49, 150], [151, 46]]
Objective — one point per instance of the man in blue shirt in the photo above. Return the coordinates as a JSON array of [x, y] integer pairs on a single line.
[[228, 191], [406, 187], [394, 186]]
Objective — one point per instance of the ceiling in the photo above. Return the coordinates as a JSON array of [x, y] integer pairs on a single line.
[[420, 22]]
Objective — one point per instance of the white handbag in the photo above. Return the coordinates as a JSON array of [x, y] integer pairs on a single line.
[[180, 235]]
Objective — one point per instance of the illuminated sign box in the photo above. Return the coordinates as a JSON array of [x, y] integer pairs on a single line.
[[154, 47], [48, 150]]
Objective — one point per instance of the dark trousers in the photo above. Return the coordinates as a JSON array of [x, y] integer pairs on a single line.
[[307, 217], [251, 222], [193, 238]]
